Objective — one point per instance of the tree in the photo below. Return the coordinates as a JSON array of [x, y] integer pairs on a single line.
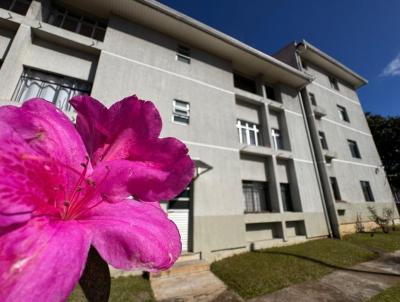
[[386, 133]]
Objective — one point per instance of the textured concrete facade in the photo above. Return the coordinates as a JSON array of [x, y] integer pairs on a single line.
[[139, 57]]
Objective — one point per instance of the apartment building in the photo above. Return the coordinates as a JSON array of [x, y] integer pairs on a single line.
[[281, 156]]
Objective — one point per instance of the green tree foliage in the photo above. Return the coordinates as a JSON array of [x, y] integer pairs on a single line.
[[386, 133]]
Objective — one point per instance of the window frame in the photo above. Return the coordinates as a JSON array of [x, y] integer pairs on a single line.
[[334, 83], [183, 54], [180, 112], [343, 115], [322, 140], [367, 191], [354, 150], [275, 133], [249, 126], [251, 206]]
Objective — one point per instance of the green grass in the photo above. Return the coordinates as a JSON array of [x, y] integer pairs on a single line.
[[392, 294], [132, 289], [260, 272], [387, 242]]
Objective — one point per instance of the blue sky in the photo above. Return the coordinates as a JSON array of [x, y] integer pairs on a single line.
[[362, 34]]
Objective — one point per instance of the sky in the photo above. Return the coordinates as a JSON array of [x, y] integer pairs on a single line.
[[364, 35]]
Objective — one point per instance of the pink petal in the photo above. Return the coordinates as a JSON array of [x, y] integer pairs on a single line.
[[42, 260], [47, 130], [139, 115], [163, 169], [133, 235], [91, 123]]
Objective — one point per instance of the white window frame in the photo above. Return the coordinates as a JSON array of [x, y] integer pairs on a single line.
[[248, 126], [343, 115], [186, 57], [274, 134], [180, 111]]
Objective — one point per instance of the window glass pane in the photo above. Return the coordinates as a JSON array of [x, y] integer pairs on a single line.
[[56, 19], [244, 136], [270, 92], [70, 23], [99, 34], [181, 119], [255, 196], [86, 29], [244, 83], [6, 4], [21, 7], [286, 198], [252, 137]]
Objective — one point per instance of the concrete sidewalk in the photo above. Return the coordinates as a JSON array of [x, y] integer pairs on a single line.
[[358, 283]]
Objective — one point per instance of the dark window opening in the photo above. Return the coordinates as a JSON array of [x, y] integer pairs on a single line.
[[366, 188], [335, 188], [270, 91], [334, 83], [17, 6], [304, 64], [244, 83], [312, 99], [182, 201], [355, 152], [287, 201], [322, 139], [256, 197], [183, 54]]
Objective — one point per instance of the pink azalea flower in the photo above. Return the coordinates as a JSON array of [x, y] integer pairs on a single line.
[[130, 130], [57, 198]]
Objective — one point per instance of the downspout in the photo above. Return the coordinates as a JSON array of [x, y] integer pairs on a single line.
[[328, 202]]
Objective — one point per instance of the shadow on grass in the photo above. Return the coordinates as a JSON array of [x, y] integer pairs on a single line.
[[388, 258]]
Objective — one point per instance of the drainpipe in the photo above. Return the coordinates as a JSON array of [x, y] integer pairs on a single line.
[[328, 202]]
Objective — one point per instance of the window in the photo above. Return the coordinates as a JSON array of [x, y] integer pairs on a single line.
[[84, 25], [180, 112], [182, 201], [244, 83], [17, 6], [248, 133], [312, 99], [366, 188], [277, 139], [334, 83], [183, 54], [286, 198], [303, 64], [270, 91], [343, 113], [322, 139], [256, 197], [335, 188], [354, 149], [54, 88]]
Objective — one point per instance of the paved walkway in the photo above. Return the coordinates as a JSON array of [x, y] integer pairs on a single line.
[[355, 284]]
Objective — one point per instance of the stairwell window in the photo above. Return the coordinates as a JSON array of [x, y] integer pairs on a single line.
[[343, 113], [355, 152], [366, 188], [180, 112], [334, 83], [249, 133], [322, 139], [183, 54], [54, 88]]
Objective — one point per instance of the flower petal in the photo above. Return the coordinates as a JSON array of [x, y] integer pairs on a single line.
[[47, 130], [42, 260], [139, 115], [91, 123], [133, 235]]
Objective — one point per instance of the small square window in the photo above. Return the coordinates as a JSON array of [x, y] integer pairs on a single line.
[[343, 114], [334, 83], [183, 54], [180, 112], [366, 188], [355, 152], [312, 99], [323, 141]]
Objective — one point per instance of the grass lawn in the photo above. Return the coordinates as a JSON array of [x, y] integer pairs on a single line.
[[391, 294], [387, 242], [260, 272], [132, 289]]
